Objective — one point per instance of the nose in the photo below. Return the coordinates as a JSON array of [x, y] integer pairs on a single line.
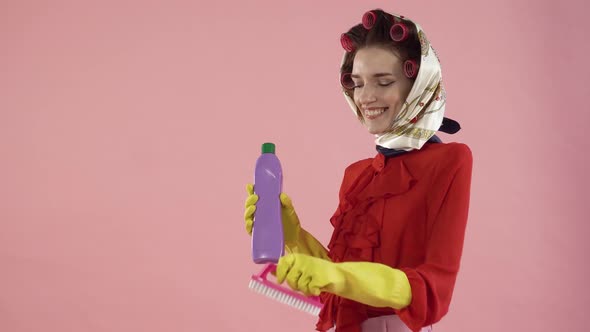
[[366, 95]]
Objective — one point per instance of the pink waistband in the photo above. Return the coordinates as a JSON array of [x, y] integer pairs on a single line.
[[390, 323]]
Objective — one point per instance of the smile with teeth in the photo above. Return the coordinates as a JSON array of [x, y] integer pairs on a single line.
[[372, 113]]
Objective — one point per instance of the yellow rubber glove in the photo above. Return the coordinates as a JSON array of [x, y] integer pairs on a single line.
[[373, 284], [297, 239]]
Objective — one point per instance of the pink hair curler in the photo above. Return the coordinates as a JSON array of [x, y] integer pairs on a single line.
[[411, 68], [369, 19], [399, 32], [347, 43], [346, 81], [260, 284]]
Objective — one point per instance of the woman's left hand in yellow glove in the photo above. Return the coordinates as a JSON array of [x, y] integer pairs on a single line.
[[374, 284], [308, 274]]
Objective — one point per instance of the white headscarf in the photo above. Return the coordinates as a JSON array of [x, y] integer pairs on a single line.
[[423, 111]]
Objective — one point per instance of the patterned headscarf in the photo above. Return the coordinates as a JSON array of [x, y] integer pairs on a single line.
[[423, 111]]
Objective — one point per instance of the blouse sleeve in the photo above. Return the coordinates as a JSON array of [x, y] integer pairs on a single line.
[[432, 283]]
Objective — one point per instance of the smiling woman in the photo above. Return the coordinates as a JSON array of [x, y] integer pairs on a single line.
[[379, 96], [399, 227]]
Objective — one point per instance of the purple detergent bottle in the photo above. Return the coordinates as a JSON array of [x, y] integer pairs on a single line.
[[267, 231]]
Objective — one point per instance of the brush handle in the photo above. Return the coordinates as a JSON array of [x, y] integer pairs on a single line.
[[269, 268]]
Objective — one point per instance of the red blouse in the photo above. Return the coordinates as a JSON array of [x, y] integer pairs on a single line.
[[408, 212]]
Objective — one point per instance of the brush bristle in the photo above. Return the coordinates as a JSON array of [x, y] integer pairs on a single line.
[[284, 298]]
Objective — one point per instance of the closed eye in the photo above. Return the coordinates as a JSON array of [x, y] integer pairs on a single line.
[[383, 84]]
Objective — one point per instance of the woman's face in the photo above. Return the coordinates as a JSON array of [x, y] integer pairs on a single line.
[[380, 87]]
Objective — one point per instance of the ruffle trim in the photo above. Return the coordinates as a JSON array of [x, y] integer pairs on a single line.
[[357, 236]]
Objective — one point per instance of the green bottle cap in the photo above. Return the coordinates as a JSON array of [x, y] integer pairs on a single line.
[[268, 148]]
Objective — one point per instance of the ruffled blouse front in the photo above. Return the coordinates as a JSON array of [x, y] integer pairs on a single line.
[[357, 234]]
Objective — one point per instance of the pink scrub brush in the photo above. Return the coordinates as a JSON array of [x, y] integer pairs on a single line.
[[260, 284]]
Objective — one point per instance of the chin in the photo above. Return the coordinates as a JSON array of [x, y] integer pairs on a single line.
[[376, 131]]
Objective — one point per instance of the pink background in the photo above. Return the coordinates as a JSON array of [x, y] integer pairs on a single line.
[[128, 131]]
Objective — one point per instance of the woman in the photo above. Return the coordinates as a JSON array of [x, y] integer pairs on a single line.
[[393, 258]]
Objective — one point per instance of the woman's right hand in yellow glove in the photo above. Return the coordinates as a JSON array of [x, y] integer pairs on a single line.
[[291, 225]]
